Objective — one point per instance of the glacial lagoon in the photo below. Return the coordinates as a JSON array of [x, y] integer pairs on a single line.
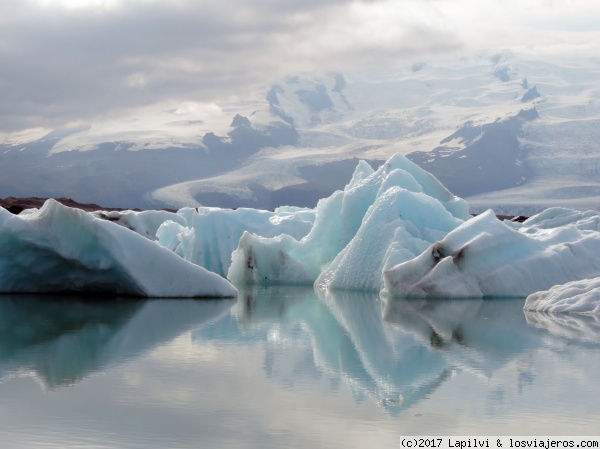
[[289, 367]]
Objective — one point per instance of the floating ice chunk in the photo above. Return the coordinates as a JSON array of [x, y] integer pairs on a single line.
[[274, 263], [582, 296], [284, 259], [62, 249], [357, 219], [485, 257], [209, 235]]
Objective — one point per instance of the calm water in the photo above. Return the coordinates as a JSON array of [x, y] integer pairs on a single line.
[[286, 367]]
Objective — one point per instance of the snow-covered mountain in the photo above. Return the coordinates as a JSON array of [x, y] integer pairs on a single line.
[[505, 132]]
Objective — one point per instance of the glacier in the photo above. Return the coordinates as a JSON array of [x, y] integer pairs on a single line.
[[57, 249]]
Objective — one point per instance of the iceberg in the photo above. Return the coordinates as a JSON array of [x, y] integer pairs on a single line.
[[486, 257], [208, 235], [581, 296], [57, 249], [395, 230], [381, 217]]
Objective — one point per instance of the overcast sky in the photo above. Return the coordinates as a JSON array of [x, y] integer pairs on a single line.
[[83, 60]]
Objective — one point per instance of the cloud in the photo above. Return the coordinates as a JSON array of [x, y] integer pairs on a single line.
[[65, 60]]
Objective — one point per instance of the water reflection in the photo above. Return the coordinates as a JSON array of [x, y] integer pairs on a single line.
[[471, 334], [577, 328], [396, 353], [60, 340]]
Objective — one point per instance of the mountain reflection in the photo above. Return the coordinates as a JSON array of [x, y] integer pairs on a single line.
[[61, 340], [396, 353]]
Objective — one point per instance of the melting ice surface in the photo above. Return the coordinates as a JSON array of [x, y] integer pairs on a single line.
[[289, 367]]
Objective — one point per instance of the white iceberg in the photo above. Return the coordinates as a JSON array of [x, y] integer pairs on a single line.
[[486, 257], [397, 227], [382, 217], [395, 230], [208, 235], [582, 296], [57, 248]]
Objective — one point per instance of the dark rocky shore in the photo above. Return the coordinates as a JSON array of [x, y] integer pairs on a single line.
[[16, 205]]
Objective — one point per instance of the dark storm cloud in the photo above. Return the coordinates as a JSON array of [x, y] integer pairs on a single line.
[[61, 63]]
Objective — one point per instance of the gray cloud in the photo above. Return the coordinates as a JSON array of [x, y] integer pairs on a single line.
[[62, 63]]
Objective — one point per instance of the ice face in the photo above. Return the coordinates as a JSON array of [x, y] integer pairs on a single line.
[[58, 248], [361, 228]]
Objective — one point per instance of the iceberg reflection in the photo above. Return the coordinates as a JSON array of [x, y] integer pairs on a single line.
[[569, 327], [62, 340], [396, 353]]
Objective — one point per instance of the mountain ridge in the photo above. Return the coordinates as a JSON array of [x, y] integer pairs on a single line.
[[533, 132]]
